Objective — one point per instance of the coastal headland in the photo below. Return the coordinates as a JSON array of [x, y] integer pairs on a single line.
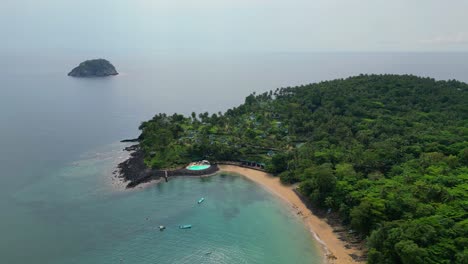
[[381, 157], [334, 250], [134, 170]]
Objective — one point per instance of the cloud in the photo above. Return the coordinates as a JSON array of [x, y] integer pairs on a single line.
[[452, 39]]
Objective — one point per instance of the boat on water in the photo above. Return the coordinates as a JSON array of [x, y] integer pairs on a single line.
[[185, 226], [161, 228], [201, 200]]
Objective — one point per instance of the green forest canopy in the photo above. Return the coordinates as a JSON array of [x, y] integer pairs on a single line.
[[389, 153]]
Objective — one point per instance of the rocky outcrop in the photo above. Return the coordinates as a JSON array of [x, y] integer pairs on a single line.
[[134, 170], [129, 140], [94, 68]]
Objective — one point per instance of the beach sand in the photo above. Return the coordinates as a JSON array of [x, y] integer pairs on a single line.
[[334, 249]]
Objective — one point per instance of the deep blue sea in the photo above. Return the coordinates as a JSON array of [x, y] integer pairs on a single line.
[[59, 144]]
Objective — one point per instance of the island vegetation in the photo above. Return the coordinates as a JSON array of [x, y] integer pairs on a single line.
[[388, 153], [94, 68]]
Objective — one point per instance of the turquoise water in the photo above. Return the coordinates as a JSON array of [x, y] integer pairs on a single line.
[[95, 220], [198, 167]]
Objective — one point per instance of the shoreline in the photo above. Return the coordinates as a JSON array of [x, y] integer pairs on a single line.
[[135, 175], [134, 171], [333, 248]]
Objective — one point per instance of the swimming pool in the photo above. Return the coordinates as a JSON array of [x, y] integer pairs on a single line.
[[198, 167]]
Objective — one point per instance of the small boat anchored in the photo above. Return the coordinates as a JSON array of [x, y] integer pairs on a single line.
[[161, 228], [185, 226], [201, 200]]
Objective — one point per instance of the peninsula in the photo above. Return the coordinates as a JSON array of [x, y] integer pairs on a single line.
[[94, 68], [384, 156]]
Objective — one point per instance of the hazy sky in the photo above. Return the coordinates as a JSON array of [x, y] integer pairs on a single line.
[[234, 25]]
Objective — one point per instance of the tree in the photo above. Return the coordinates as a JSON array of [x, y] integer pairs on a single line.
[[368, 214], [410, 253]]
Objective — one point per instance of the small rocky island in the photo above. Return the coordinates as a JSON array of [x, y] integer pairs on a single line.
[[94, 68]]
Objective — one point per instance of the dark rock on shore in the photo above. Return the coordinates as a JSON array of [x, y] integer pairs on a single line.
[[94, 68], [132, 148], [130, 140], [135, 172]]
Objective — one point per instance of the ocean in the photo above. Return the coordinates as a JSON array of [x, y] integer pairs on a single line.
[[59, 141]]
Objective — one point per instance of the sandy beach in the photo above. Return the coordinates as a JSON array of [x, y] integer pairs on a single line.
[[334, 249]]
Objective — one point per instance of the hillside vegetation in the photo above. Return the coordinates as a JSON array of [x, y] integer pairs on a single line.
[[388, 153]]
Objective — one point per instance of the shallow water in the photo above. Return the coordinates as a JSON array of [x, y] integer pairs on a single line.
[[82, 215]]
